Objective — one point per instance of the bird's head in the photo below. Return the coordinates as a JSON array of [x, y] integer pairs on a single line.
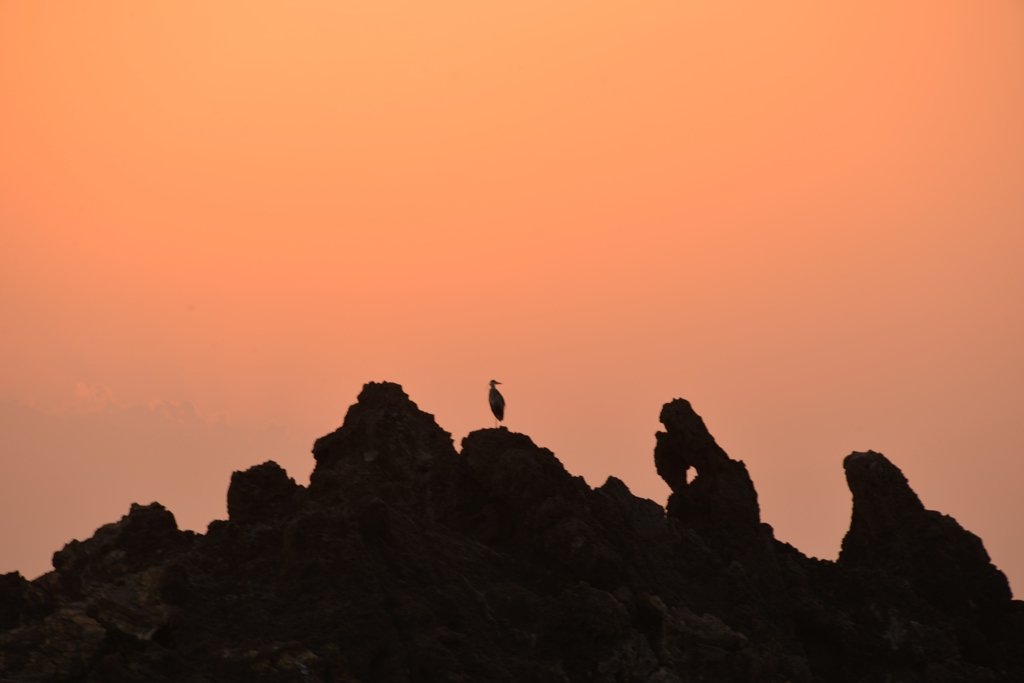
[[493, 382]]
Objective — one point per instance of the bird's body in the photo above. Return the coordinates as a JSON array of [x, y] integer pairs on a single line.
[[497, 402]]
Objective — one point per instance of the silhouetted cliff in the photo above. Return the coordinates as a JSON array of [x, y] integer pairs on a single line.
[[407, 560]]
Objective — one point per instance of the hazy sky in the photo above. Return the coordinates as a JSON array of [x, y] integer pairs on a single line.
[[219, 219]]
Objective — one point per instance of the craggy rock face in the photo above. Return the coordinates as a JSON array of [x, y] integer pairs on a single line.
[[719, 502], [386, 429], [892, 531], [406, 560], [262, 494]]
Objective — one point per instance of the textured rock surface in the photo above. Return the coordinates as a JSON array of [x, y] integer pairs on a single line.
[[407, 560]]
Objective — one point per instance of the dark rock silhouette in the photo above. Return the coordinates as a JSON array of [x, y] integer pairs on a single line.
[[720, 502], [891, 531], [406, 560]]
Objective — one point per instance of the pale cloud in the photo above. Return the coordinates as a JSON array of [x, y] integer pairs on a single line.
[[90, 398]]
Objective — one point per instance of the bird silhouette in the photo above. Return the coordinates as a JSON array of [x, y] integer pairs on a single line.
[[497, 403]]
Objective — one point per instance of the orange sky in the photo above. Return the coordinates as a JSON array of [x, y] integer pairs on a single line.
[[218, 219]]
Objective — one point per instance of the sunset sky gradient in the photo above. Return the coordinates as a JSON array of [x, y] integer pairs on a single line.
[[219, 219]]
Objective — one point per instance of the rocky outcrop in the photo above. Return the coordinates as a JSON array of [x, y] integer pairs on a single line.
[[408, 560], [892, 531], [263, 493], [718, 501]]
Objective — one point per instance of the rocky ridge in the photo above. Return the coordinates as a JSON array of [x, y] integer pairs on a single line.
[[408, 560]]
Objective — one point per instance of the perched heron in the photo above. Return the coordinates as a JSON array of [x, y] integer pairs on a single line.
[[497, 403]]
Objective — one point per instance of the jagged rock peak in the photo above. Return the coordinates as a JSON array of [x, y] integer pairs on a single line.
[[883, 503], [384, 423], [890, 530], [510, 464], [262, 493], [522, 496], [693, 445], [720, 502], [880, 491], [495, 440], [145, 530]]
